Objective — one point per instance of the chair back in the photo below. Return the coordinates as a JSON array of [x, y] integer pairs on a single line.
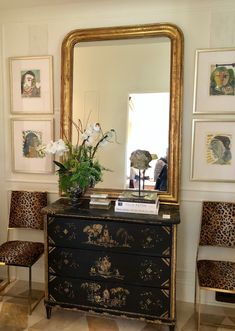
[[25, 209], [217, 224]]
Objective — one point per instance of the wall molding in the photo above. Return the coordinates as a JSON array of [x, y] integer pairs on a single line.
[[37, 181], [198, 195]]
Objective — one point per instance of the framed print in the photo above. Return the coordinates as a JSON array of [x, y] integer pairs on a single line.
[[213, 150], [31, 85], [27, 136], [214, 84]]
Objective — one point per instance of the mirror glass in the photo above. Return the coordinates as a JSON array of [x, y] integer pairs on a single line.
[[129, 79], [125, 85]]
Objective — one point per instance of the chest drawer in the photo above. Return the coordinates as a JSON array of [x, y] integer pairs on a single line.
[[100, 265], [110, 297], [118, 236]]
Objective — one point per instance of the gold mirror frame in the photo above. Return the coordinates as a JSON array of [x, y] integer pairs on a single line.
[[176, 87]]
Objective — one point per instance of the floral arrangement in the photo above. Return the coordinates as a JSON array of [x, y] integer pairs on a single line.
[[79, 168]]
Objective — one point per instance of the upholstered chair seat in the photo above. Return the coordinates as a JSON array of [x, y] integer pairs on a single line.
[[20, 253], [219, 275]]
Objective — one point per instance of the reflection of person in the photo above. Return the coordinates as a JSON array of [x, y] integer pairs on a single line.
[[29, 86], [220, 147], [160, 174], [222, 81], [31, 143], [132, 176]]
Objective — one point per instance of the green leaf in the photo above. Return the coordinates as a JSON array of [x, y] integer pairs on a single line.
[[59, 164]]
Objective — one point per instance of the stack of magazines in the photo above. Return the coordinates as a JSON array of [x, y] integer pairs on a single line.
[[147, 204]]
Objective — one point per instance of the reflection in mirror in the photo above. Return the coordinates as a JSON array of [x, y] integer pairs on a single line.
[[101, 68], [148, 129], [104, 75]]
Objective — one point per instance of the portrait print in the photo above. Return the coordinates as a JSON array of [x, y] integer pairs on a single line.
[[222, 80], [214, 81], [27, 137], [213, 150], [31, 141], [218, 149], [30, 84]]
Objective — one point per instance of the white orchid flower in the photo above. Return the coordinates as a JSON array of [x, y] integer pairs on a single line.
[[89, 130], [61, 147], [58, 147], [50, 148], [107, 138], [97, 127], [84, 135], [87, 133], [109, 135], [103, 143], [89, 141]]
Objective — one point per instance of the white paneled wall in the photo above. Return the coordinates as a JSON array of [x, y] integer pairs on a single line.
[[39, 31]]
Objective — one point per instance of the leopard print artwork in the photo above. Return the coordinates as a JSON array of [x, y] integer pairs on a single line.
[[218, 224], [25, 210]]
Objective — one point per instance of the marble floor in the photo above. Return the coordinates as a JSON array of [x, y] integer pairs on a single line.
[[14, 317]]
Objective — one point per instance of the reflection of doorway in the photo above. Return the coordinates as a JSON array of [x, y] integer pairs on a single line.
[[148, 111]]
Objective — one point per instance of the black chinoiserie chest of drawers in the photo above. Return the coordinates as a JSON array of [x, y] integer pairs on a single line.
[[119, 264]]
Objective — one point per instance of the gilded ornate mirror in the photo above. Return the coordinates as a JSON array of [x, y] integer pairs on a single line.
[[127, 77]]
